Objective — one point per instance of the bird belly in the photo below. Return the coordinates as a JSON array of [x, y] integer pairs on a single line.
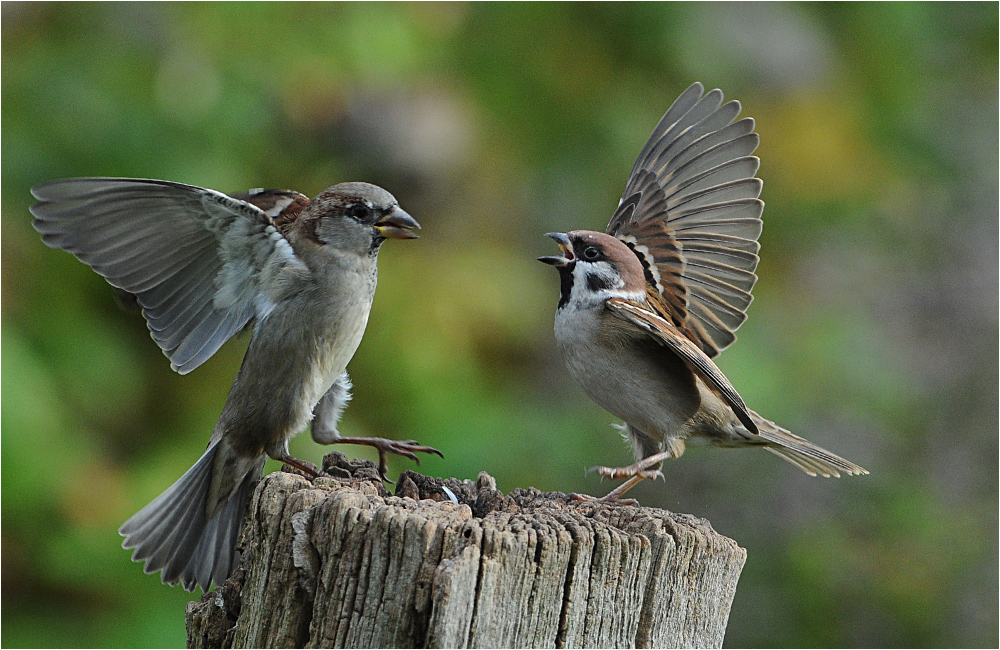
[[635, 379], [333, 346], [292, 361], [332, 358]]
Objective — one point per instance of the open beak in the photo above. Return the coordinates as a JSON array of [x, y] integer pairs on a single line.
[[397, 225], [567, 249]]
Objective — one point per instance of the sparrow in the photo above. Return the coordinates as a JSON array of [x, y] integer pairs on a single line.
[[647, 305], [202, 266]]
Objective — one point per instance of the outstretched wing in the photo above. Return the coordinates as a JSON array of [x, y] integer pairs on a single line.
[[193, 257], [666, 334], [691, 213]]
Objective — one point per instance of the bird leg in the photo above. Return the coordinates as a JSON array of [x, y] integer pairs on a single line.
[[635, 473], [324, 428], [614, 496], [303, 466]]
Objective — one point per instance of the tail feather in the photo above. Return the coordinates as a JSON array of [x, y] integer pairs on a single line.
[[811, 459], [152, 532], [174, 535], [216, 556], [183, 553]]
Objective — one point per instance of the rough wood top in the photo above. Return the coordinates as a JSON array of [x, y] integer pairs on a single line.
[[339, 562]]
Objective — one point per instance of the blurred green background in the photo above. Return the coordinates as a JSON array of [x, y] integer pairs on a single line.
[[874, 332]]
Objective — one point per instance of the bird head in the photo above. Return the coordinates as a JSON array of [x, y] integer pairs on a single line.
[[357, 217], [595, 266]]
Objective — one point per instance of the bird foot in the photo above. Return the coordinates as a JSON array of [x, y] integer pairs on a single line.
[[407, 448], [626, 472], [636, 472], [646, 468], [610, 497]]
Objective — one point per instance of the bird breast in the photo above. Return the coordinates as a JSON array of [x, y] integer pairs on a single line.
[[296, 353], [330, 335], [626, 372]]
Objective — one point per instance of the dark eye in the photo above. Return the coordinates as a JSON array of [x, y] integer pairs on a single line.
[[591, 254], [357, 211]]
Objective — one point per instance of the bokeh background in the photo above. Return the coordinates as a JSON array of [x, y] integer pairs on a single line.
[[874, 331]]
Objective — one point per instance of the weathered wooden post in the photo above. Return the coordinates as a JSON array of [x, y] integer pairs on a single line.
[[338, 562]]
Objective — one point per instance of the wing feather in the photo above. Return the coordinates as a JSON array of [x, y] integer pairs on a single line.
[[192, 256], [743, 189], [717, 177], [696, 178], [681, 105], [673, 338]]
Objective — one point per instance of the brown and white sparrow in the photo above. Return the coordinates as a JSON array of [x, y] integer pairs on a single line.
[[645, 306], [203, 265]]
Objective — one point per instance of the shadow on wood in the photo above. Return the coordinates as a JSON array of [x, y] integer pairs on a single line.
[[338, 562]]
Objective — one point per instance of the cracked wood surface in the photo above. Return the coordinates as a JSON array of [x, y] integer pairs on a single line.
[[339, 562]]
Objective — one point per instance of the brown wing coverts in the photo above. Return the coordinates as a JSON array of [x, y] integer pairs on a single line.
[[690, 212], [281, 206], [665, 334]]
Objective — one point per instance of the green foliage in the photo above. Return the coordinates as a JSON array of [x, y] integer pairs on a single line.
[[874, 332]]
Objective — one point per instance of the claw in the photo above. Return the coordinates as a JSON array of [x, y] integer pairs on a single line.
[[406, 448], [634, 473], [624, 472]]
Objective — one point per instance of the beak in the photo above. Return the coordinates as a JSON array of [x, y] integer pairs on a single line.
[[567, 249], [397, 225]]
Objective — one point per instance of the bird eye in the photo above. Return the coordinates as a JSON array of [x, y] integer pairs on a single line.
[[591, 254], [357, 211]]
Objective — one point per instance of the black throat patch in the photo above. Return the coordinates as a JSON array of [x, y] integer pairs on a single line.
[[565, 284]]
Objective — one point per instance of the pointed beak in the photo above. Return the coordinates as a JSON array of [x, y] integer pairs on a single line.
[[397, 225], [567, 249]]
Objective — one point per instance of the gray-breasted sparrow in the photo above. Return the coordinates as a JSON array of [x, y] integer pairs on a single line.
[[204, 265], [645, 306]]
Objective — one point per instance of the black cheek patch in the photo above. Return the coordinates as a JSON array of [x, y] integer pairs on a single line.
[[597, 282]]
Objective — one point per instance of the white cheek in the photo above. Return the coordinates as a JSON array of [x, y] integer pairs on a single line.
[[603, 270], [583, 294], [580, 295]]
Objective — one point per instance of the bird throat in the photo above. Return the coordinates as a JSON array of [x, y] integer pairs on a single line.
[[565, 284]]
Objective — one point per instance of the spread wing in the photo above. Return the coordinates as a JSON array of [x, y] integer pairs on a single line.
[[194, 258], [668, 335], [690, 212]]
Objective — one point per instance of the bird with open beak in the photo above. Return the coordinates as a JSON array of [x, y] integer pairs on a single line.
[[645, 306]]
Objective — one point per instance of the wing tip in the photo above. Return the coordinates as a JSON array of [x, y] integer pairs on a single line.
[[696, 86]]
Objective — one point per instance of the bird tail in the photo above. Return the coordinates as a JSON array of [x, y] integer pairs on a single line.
[[174, 534], [811, 459]]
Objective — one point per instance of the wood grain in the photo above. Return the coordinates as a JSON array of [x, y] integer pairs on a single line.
[[339, 562]]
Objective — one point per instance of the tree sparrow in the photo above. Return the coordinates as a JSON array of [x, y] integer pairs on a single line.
[[203, 265], [645, 307]]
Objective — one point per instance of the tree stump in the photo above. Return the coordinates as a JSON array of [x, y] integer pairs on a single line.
[[338, 562]]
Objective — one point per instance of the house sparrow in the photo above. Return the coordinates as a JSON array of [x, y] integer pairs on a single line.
[[203, 265], [645, 306]]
